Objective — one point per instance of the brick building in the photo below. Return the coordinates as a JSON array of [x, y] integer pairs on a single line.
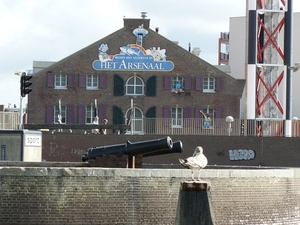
[[132, 74]]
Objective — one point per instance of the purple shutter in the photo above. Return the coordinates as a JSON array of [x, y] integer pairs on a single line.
[[187, 83], [219, 117], [198, 83], [187, 116], [70, 114], [82, 80], [71, 80], [81, 114], [167, 116], [198, 117], [49, 114], [219, 84], [167, 82], [102, 113], [50, 79], [102, 81]]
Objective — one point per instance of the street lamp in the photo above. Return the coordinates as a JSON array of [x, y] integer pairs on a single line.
[[229, 120]]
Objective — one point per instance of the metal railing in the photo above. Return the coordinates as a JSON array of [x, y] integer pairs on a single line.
[[239, 127], [9, 120], [189, 126]]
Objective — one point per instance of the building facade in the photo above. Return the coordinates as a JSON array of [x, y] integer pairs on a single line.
[[131, 75]]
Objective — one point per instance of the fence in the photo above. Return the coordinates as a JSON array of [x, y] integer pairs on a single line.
[[9, 120], [188, 126], [169, 126]]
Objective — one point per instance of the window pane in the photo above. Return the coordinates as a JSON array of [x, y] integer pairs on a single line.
[[138, 82], [130, 90], [139, 90], [131, 81]]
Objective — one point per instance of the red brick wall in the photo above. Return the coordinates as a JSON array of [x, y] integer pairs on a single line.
[[46, 195], [185, 63]]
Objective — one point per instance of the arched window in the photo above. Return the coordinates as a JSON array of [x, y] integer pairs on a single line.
[[134, 118], [135, 86]]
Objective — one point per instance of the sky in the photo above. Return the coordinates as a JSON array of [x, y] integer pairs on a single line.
[[50, 30]]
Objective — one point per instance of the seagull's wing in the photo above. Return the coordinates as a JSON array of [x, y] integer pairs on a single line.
[[201, 160]]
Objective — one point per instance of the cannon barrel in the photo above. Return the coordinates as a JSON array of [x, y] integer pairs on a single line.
[[129, 148], [177, 148]]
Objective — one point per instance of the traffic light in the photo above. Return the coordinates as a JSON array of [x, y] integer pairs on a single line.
[[25, 84]]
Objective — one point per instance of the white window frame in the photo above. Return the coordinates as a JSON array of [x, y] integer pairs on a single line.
[[136, 123], [89, 114], [177, 117], [174, 80], [92, 82], [61, 81], [209, 84], [63, 114], [135, 86]]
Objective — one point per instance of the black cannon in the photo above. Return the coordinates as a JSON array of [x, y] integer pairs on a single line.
[[129, 148], [177, 148]]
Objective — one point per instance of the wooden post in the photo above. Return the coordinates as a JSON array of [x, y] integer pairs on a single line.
[[194, 205]]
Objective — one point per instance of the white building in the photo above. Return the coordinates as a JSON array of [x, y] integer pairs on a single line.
[[238, 57]]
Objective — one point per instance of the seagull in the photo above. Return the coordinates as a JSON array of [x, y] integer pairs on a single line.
[[197, 162]]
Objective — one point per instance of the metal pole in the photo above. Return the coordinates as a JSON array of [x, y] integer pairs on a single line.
[[21, 114], [288, 39]]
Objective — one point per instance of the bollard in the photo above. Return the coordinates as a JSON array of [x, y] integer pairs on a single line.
[[194, 205]]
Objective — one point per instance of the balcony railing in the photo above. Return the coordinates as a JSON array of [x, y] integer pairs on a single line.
[[259, 127], [194, 126]]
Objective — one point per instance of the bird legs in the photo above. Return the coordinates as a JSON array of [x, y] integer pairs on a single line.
[[199, 179]]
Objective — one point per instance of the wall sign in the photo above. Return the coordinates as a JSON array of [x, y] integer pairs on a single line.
[[133, 57], [33, 140]]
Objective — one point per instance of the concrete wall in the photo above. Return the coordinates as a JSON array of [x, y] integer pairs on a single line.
[[47, 195], [220, 150]]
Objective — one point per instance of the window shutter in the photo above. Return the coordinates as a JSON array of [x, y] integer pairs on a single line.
[[102, 113], [151, 86], [198, 117], [71, 80], [199, 83], [187, 116], [82, 80], [70, 114], [219, 117], [150, 125], [118, 85], [81, 114], [50, 114], [102, 81], [167, 116], [50, 79], [167, 82], [118, 117], [219, 84], [187, 83]]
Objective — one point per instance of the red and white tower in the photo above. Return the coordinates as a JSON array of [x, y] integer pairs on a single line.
[[269, 56]]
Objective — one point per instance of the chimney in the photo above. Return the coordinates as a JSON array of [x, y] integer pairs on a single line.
[[143, 15]]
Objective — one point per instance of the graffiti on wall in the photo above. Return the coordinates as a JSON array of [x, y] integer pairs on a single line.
[[59, 151], [241, 154]]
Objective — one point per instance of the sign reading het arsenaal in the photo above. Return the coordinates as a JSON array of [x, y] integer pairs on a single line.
[[133, 57]]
